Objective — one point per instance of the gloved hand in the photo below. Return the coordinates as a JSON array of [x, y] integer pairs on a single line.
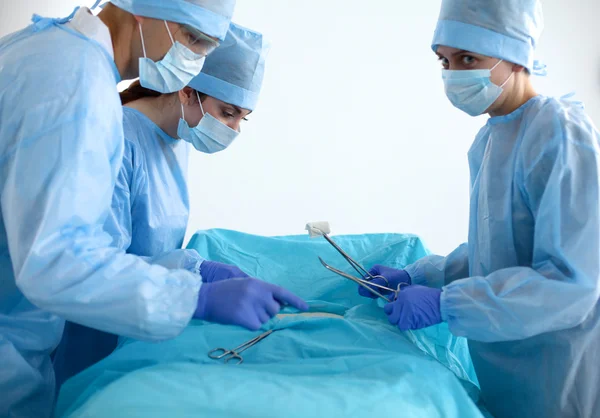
[[416, 307], [394, 277], [212, 271], [245, 302]]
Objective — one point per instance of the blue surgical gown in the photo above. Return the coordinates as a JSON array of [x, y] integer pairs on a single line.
[[148, 217], [150, 204], [525, 288], [61, 146]]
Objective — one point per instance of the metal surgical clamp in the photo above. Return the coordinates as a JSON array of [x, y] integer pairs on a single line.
[[362, 281], [234, 353]]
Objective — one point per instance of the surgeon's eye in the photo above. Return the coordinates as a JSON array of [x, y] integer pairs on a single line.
[[444, 61], [227, 113], [468, 60]]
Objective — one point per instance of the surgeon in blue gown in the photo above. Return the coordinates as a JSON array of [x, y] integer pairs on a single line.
[[524, 290], [61, 147], [150, 204]]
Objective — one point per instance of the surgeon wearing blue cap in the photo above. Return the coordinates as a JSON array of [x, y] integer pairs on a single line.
[[150, 204], [524, 290], [61, 147]]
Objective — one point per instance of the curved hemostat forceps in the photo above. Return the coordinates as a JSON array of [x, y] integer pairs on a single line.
[[234, 353], [365, 279]]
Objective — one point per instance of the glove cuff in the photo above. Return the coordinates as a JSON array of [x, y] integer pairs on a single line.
[[205, 270], [406, 277], [203, 297]]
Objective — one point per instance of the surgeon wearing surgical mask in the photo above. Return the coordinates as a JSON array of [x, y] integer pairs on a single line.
[[150, 204], [524, 290], [61, 142]]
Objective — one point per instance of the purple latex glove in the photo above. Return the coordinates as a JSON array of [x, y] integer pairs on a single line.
[[394, 277], [246, 302], [416, 307], [212, 271]]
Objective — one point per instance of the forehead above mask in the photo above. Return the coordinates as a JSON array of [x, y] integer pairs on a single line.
[[507, 29], [211, 17]]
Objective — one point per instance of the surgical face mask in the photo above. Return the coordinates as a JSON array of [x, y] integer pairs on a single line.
[[174, 71], [472, 91], [210, 136]]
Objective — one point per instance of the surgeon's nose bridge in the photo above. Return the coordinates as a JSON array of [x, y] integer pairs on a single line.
[[235, 124]]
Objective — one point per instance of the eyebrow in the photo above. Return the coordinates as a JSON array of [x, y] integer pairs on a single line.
[[462, 51], [237, 109]]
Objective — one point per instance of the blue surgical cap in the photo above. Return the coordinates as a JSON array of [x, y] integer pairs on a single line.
[[234, 72], [506, 29], [211, 17]]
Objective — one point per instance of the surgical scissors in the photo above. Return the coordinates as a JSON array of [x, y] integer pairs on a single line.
[[234, 353], [366, 283]]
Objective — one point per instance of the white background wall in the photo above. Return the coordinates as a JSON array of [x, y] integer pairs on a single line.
[[353, 125]]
